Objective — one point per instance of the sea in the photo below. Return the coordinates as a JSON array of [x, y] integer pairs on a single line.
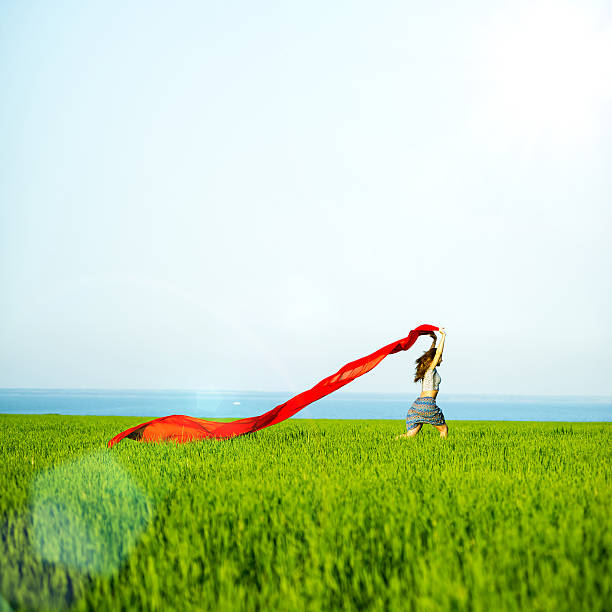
[[339, 405]]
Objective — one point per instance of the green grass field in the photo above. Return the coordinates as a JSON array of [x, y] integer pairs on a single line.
[[306, 515]]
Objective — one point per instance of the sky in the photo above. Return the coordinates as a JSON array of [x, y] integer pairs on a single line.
[[247, 195]]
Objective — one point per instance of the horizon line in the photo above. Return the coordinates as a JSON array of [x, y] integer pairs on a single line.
[[282, 391]]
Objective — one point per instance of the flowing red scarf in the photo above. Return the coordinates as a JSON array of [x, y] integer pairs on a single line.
[[181, 428]]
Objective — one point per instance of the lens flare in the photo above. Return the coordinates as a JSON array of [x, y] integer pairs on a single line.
[[87, 514]]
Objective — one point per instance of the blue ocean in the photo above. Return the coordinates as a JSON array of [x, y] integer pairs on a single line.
[[340, 405]]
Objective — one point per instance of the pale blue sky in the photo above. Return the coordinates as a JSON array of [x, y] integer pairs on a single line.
[[241, 195]]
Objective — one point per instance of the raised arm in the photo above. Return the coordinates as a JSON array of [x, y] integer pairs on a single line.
[[439, 350]]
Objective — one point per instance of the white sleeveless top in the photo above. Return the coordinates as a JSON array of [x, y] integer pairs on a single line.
[[431, 380]]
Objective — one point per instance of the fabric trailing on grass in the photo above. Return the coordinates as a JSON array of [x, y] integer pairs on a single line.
[[182, 428]]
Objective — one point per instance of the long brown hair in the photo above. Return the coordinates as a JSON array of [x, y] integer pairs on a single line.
[[423, 362]]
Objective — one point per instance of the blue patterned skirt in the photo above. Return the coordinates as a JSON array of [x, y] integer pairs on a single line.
[[424, 410]]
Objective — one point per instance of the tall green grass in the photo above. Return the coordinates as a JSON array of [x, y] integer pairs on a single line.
[[312, 515]]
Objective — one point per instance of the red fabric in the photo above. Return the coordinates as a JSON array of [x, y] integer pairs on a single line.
[[181, 428]]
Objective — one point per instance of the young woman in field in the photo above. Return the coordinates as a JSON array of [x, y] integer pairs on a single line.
[[424, 409]]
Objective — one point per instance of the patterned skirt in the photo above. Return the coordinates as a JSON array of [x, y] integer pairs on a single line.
[[424, 410]]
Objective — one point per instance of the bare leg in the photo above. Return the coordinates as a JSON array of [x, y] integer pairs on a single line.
[[443, 429], [411, 433]]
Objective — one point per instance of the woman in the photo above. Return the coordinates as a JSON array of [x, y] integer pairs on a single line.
[[424, 409]]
